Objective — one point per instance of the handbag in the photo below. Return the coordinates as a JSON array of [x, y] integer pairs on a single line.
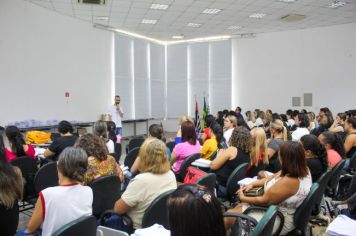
[[193, 174], [253, 192]]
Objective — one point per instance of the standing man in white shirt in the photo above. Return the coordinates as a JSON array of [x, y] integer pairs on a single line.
[[116, 113]]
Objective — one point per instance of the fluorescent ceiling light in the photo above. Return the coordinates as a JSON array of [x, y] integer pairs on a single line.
[[257, 15], [156, 6], [204, 39], [211, 11], [148, 21], [178, 37], [234, 27], [337, 4], [101, 18], [195, 25], [287, 1]]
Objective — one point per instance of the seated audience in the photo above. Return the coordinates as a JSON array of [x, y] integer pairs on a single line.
[[100, 129], [250, 119], [216, 141], [316, 156], [287, 188], [182, 119], [302, 123], [155, 131], [100, 163], [193, 210], [269, 115], [230, 123], [66, 139], [155, 179], [57, 206], [228, 159], [325, 123], [258, 153], [17, 146], [350, 141], [11, 188], [278, 136], [334, 147], [209, 121], [188, 147]]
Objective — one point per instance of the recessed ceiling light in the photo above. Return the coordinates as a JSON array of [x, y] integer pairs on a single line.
[[178, 37], [337, 4], [234, 27], [257, 15], [156, 6], [195, 25], [211, 11], [287, 1], [101, 18], [148, 21]]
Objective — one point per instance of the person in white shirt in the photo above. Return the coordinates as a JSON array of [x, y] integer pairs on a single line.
[[302, 123], [57, 206], [100, 129], [116, 113], [230, 122], [290, 120]]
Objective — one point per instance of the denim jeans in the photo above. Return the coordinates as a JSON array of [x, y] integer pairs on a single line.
[[118, 130]]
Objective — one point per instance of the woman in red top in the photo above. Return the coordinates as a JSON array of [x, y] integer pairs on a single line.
[[17, 146]]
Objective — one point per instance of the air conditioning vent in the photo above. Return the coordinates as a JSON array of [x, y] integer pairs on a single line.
[[293, 17], [98, 2]]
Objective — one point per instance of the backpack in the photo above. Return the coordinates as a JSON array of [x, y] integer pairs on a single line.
[[193, 174]]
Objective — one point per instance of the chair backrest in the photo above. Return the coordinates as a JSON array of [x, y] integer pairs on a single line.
[[85, 225], [135, 143], [257, 212], [303, 212], [46, 176], [28, 167], [118, 150], [335, 175], [171, 145], [157, 212], [231, 185], [185, 164], [105, 231], [322, 181], [131, 157], [265, 225], [106, 191], [208, 180], [352, 165]]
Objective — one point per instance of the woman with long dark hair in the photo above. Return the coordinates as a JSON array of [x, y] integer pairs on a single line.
[[334, 147], [17, 147], [316, 156], [189, 146], [11, 187]]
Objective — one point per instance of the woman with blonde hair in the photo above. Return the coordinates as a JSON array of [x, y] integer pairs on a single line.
[[155, 179], [230, 122], [279, 134], [258, 154], [250, 118]]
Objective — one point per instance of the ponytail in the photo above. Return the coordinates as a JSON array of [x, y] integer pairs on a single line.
[[18, 144], [323, 156], [285, 134]]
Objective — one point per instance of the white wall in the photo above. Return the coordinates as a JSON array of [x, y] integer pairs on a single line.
[[44, 54], [270, 69]]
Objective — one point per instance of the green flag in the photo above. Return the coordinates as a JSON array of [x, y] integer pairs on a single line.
[[205, 113]]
